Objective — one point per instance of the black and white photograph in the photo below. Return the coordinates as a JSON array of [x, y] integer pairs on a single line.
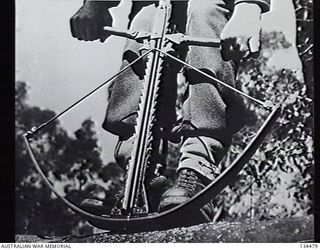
[[169, 121]]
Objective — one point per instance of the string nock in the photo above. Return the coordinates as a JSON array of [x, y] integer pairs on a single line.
[[30, 134], [268, 105]]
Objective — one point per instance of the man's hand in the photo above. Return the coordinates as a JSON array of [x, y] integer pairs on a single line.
[[240, 37], [87, 24]]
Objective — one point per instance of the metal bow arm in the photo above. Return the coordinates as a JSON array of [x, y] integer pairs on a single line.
[[186, 214], [176, 38]]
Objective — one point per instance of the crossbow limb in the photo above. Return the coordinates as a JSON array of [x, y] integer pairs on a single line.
[[145, 220], [177, 216]]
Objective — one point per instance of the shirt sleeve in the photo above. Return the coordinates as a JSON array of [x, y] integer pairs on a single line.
[[264, 4]]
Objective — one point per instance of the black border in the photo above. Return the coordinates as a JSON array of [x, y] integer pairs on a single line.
[[316, 120], [7, 42]]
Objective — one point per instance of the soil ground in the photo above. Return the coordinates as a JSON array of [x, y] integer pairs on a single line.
[[299, 229]]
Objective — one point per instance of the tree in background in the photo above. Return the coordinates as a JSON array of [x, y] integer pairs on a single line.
[[35, 211], [281, 185], [278, 180], [72, 163], [305, 42]]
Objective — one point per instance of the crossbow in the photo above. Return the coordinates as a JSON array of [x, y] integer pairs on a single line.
[[135, 214]]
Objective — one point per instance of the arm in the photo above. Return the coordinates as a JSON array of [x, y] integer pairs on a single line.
[[241, 35], [88, 22]]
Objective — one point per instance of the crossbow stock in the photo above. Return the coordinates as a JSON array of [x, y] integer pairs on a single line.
[[135, 217]]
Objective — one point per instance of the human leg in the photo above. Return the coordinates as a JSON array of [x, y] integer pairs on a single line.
[[211, 113], [123, 105]]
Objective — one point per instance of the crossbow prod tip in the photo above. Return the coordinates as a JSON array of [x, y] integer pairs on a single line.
[[30, 134], [268, 105]]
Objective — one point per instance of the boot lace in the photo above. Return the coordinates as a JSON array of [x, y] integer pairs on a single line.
[[189, 181]]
